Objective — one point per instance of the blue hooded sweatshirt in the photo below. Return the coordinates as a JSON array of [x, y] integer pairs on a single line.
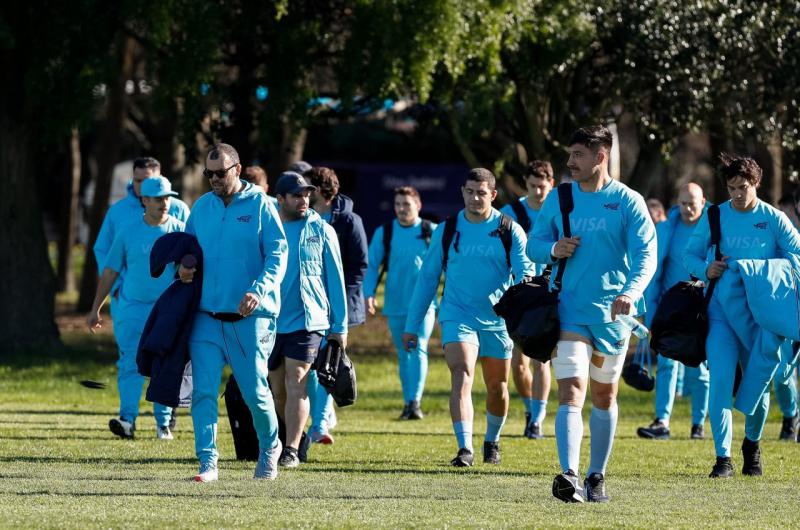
[[244, 250]]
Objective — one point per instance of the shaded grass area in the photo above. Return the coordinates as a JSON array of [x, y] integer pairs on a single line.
[[60, 467]]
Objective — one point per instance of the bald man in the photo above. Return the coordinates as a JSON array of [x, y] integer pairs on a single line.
[[672, 238]]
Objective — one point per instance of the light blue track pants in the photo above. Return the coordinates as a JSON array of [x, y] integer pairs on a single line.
[[724, 352], [696, 380], [412, 365], [128, 325], [244, 345]]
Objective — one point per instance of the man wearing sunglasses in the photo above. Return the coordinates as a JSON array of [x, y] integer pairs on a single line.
[[244, 261]]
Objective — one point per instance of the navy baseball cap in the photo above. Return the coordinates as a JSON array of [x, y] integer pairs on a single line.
[[291, 183]]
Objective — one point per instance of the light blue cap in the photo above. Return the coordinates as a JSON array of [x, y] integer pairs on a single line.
[[156, 187]]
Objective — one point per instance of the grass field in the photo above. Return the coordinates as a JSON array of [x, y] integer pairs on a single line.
[[60, 467]]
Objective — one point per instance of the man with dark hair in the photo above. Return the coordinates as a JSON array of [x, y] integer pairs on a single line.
[[534, 387], [337, 209], [477, 250], [397, 249], [257, 176], [751, 229], [610, 259], [244, 262], [312, 304]]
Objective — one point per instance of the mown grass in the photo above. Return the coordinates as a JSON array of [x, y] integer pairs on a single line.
[[60, 467]]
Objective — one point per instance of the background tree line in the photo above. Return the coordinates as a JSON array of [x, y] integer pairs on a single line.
[[89, 82]]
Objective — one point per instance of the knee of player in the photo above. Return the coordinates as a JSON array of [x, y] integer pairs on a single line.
[[604, 399], [497, 387]]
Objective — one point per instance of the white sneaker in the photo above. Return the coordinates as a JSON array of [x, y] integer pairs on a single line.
[[208, 473], [163, 433], [332, 419], [123, 429], [267, 466]]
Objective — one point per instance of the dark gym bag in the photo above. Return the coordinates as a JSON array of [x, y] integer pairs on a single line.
[[245, 440], [336, 373], [530, 308]]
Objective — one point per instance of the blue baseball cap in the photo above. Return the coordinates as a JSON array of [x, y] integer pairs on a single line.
[[156, 187], [291, 183]]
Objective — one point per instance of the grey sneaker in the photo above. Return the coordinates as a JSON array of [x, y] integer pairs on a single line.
[[123, 429], [267, 466], [208, 472], [163, 433], [289, 458]]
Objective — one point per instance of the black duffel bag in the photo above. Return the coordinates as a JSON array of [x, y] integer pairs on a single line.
[[336, 373], [530, 308], [680, 325], [639, 372]]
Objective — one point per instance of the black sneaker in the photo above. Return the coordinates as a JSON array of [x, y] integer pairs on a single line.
[[698, 432], [567, 488], [173, 419], [123, 429], [789, 429], [594, 488], [414, 411], [655, 431], [723, 468], [527, 424], [302, 449], [289, 458], [406, 414], [464, 458], [751, 452], [533, 431], [491, 452]]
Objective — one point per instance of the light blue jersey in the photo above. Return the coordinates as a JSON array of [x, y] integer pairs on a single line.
[[292, 316], [762, 233], [131, 252], [244, 250], [477, 274], [674, 268], [405, 261], [617, 254], [532, 214]]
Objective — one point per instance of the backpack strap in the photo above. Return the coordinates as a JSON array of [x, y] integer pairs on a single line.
[[505, 232], [387, 248], [426, 231], [566, 205], [523, 219], [448, 235], [716, 237]]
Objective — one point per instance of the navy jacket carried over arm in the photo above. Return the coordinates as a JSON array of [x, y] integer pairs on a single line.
[[164, 347], [353, 243]]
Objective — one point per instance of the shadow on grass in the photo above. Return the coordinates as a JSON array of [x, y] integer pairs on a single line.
[[70, 412], [98, 460], [202, 493]]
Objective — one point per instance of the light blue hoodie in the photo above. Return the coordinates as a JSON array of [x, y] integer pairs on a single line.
[[312, 293], [244, 250]]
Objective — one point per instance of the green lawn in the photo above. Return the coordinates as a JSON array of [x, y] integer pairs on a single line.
[[60, 467]]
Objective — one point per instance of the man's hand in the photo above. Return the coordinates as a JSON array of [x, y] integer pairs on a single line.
[[622, 306], [716, 268], [186, 275], [341, 338], [94, 321], [371, 305], [410, 341], [248, 304], [566, 246]]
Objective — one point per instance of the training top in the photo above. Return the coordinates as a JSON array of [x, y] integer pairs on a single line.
[[131, 252], [762, 233], [244, 250], [312, 291], [617, 253], [477, 274], [532, 214], [407, 250]]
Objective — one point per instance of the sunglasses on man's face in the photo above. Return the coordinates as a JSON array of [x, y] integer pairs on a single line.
[[219, 173]]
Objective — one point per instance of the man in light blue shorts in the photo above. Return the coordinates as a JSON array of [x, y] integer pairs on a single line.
[[478, 260], [611, 257]]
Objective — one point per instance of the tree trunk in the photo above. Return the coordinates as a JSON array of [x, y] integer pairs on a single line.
[[775, 150], [289, 150], [108, 154], [69, 219], [648, 170], [27, 292]]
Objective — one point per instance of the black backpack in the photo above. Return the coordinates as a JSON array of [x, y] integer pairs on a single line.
[[245, 440], [336, 373], [680, 324], [530, 308], [523, 219], [450, 233], [426, 230]]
